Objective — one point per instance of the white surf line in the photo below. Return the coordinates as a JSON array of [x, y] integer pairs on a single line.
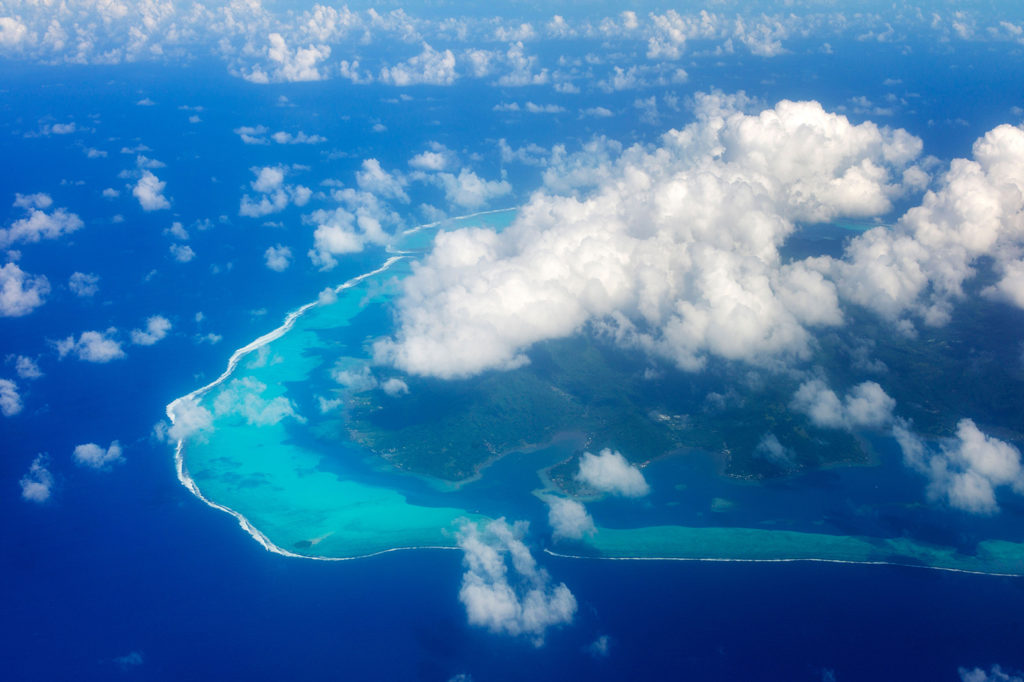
[[560, 555], [427, 226], [236, 357]]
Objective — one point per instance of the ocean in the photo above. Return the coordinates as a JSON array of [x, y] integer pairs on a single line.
[[124, 574]]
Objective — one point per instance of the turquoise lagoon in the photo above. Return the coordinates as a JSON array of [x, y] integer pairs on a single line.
[[276, 458]]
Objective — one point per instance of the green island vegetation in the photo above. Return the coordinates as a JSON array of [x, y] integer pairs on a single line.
[[620, 399]]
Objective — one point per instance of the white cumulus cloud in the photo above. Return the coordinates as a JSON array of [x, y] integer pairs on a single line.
[[92, 346], [10, 399], [278, 257], [37, 484], [38, 223], [95, 456], [84, 284], [27, 368], [430, 67], [673, 249], [20, 292], [866, 405], [149, 190], [503, 588], [965, 471], [156, 329], [190, 419], [610, 472], [568, 518]]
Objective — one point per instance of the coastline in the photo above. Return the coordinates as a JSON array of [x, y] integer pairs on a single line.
[[179, 459], [563, 555], [289, 321]]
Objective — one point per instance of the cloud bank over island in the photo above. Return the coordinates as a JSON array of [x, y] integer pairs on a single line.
[[673, 249]]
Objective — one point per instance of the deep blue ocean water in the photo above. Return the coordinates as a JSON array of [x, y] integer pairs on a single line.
[[128, 562]]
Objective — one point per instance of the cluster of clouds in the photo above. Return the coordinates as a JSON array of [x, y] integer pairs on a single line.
[[104, 346], [993, 674], [261, 135], [10, 396], [367, 213], [867, 405], [38, 482], [322, 42], [96, 456], [607, 472], [672, 249], [964, 471], [22, 292], [273, 194], [503, 588]]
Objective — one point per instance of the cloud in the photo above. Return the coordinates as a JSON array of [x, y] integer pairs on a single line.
[[529, 108], [92, 346], [520, 601], [12, 32], [771, 449], [38, 224], [20, 292], [350, 228], [599, 647], [252, 134], [190, 419], [568, 518], [37, 484], [866, 405], [430, 67], [966, 470], [468, 190], [10, 400], [994, 674], [177, 230], [130, 660], [259, 135], [278, 257], [437, 158], [374, 179], [673, 250], [300, 137], [287, 65], [95, 457], [610, 472], [394, 387], [244, 398], [84, 284], [182, 252], [920, 265], [146, 162], [156, 329], [521, 68], [275, 194], [355, 378], [27, 367], [149, 191]]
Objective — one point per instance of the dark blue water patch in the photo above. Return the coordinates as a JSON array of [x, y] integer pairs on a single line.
[[882, 500]]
